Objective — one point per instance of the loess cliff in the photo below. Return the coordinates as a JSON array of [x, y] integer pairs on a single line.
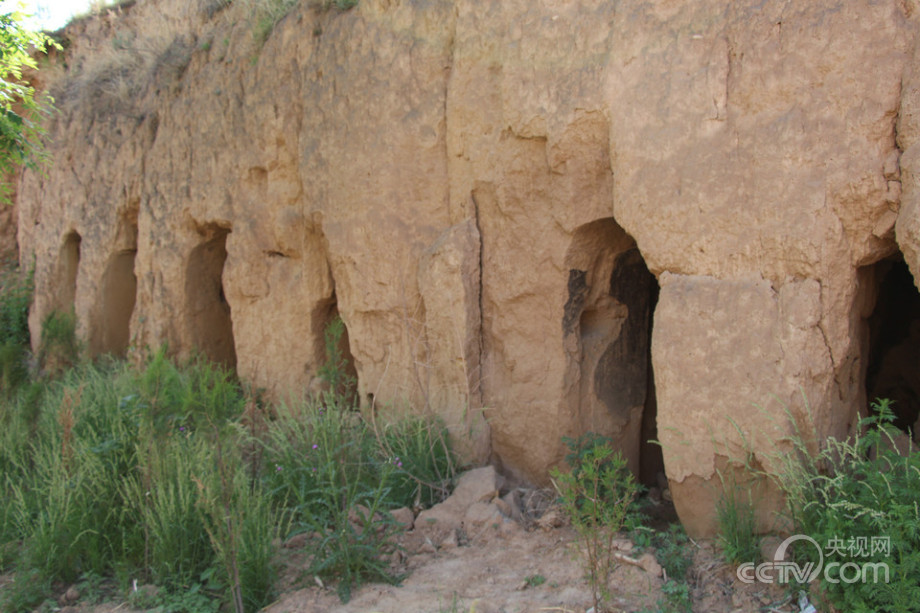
[[654, 219]]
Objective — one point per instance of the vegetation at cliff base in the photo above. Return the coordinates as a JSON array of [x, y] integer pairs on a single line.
[[597, 495], [15, 298], [857, 498], [173, 485]]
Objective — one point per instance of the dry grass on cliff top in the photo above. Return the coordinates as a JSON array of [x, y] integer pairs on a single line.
[[113, 56], [122, 50]]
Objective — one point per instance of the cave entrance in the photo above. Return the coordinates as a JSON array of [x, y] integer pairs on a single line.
[[119, 292], [607, 325], [332, 352], [893, 366], [69, 266], [211, 323]]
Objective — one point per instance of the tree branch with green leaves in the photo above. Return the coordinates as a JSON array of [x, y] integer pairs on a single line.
[[22, 110]]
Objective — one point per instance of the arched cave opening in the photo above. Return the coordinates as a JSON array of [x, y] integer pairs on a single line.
[[893, 367], [211, 323], [68, 267], [332, 352], [607, 326], [119, 292]]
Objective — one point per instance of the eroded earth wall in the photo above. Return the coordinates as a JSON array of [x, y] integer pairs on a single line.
[[535, 219]]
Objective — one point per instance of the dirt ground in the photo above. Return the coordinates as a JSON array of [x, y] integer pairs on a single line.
[[498, 572], [505, 569], [476, 552]]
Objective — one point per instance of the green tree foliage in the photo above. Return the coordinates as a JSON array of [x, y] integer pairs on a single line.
[[21, 110]]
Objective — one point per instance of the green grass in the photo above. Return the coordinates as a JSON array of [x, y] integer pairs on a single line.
[[737, 537], [265, 14], [534, 580], [339, 477], [860, 487], [172, 475], [59, 348]]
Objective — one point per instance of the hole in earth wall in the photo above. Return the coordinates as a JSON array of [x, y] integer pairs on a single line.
[[893, 365], [119, 292], [211, 322], [335, 363], [68, 266], [607, 325]]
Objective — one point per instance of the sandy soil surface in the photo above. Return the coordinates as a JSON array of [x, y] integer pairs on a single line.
[[506, 567], [498, 572], [505, 571]]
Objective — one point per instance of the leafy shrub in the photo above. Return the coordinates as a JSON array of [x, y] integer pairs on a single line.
[[14, 370], [596, 495], [21, 111], [671, 552], [15, 298], [355, 536], [584, 447], [861, 487], [676, 597], [193, 599], [29, 589]]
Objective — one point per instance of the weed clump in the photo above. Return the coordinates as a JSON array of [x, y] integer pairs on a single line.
[[173, 476], [597, 496], [15, 297], [265, 14], [339, 475], [737, 526], [854, 493], [59, 348], [16, 288]]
